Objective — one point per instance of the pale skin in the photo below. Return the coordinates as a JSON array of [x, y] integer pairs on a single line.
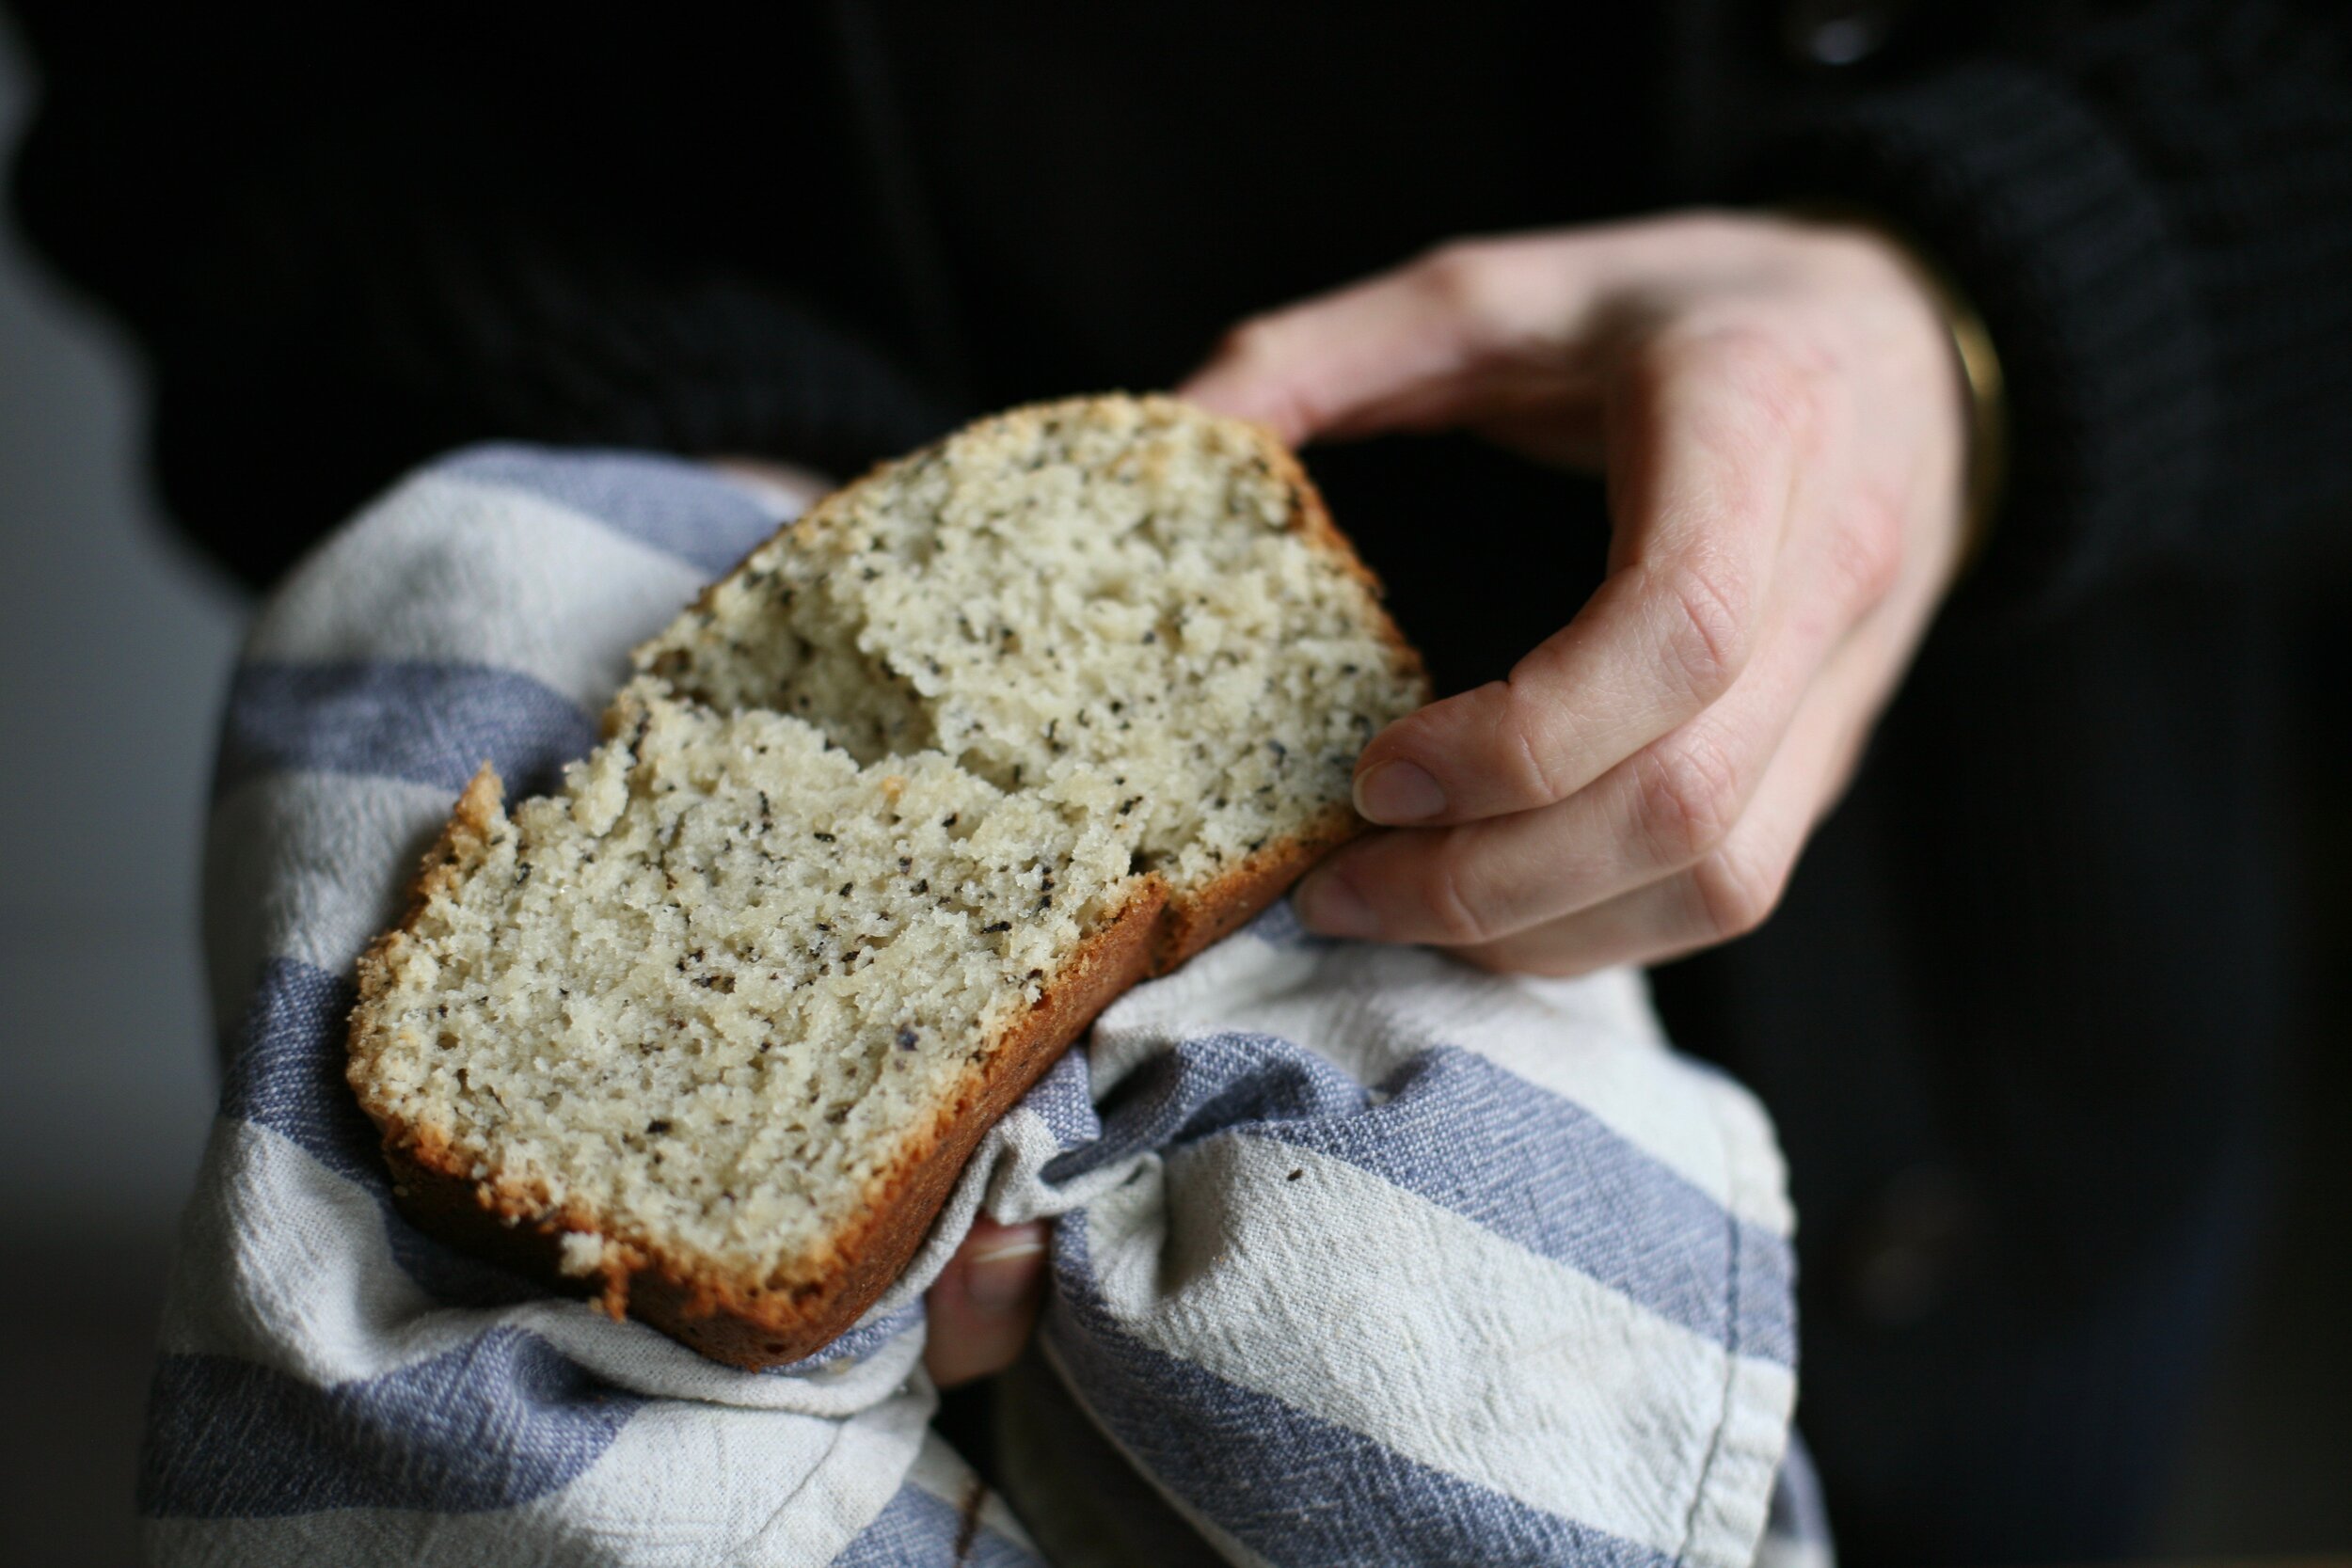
[[1776, 409]]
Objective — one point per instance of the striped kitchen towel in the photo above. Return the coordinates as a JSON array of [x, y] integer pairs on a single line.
[[1358, 1256]]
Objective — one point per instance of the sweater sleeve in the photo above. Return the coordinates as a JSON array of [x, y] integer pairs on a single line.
[[2153, 214], [341, 258]]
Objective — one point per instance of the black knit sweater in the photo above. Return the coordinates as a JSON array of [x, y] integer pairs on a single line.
[[360, 237], [2013, 1015]]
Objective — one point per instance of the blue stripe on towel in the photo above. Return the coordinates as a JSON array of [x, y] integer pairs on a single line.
[[286, 1074], [1799, 1517], [679, 508], [1454, 1129], [494, 1422], [861, 1340], [429, 723], [1537, 1170], [1064, 1100], [1207, 1084], [1278, 926], [1045, 1439], [286, 1069], [1294, 1488], [916, 1530]]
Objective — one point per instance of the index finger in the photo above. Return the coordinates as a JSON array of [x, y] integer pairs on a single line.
[[1706, 433], [1443, 341]]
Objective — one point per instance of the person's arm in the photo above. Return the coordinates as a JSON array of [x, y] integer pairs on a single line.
[[347, 242]]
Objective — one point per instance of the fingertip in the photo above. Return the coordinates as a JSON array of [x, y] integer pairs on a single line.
[[1221, 390], [1206, 386], [1329, 905], [982, 1308], [1398, 792]]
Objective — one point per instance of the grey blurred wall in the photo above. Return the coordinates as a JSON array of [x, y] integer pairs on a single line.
[[114, 648]]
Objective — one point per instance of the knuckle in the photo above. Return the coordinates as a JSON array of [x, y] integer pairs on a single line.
[[1453, 268], [1737, 892], [1466, 279], [1251, 341], [1708, 602], [1780, 391], [1779, 385], [1670, 358], [1454, 909], [1526, 728], [1866, 551], [1689, 797], [1261, 353]]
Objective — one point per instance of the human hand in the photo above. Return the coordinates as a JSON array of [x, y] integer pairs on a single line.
[[1777, 409], [981, 1309], [793, 487]]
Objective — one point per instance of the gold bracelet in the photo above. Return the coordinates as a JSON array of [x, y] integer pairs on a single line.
[[1987, 463]]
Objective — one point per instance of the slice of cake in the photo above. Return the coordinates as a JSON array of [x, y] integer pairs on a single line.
[[880, 825]]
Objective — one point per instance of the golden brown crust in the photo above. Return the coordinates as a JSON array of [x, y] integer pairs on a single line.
[[715, 1315], [516, 1225], [1239, 892], [460, 847], [764, 1324]]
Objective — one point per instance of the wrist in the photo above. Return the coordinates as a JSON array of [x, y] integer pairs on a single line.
[[1976, 365]]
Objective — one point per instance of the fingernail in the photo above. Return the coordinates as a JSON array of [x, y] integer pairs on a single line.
[[1328, 905], [1398, 792], [995, 1278]]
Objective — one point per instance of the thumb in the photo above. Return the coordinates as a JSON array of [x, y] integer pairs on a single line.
[[983, 1306], [1470, 333]]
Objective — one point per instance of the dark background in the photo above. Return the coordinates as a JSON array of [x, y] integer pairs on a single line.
[[114, 649]]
